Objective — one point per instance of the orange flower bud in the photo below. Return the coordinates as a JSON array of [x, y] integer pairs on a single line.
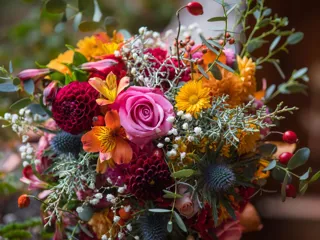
[[23, 201]]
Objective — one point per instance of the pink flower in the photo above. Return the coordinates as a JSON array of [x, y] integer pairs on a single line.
[[143, 113], [32, 180], [230, 56], [34, 74], [49, 93], [187, 206], [231, 230], [101, 65]]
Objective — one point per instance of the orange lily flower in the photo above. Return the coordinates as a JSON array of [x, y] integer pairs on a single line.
[[109, 140], [108, 88]]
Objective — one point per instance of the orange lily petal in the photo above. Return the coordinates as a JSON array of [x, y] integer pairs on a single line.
[[90, 141], [103, 102], [122, 152], [112, 119], [99, 85], [124, 82]]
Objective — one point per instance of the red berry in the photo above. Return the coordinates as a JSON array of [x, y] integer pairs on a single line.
[[231, 41], [291, 191], [195, 8], [285, 157], [290, 137], [23, 201], [98, 121]]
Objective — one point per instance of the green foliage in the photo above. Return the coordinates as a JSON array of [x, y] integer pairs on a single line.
[[19, 230]]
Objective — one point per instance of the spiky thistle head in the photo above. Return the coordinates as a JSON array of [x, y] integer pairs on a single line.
[[153, 226], [64, 143], [217, 177]]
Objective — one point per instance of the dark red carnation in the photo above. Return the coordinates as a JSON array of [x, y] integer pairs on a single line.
[[148, 176], [75, 106]]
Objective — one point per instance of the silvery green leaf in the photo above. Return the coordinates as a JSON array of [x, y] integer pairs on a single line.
[[231, 9], [20, 103], [217, 19], [169, 194], [276, 65], [303, 186], [225, 66], [267, 149], [257, 14], [86, 213], [8, 87], [184, 173], [86, 231], [270, 91], [203, 72], [305, 176], [76, 21], [301, 72], [299, 158], [271, 165], [274, 43], [169, 227], [267, 12], [180, 222], [255, 44], [315, 177], [215, 71], [28, 86], [10, 67], [295, 38], [208, 45], [159, 210], [97, 12], [283, 187]]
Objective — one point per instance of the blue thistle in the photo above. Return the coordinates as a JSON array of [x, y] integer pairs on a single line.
[[153, 226], [218, 177], [64, 143]]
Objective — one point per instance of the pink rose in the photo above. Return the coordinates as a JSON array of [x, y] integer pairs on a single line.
[[186, 206], [143, 113]]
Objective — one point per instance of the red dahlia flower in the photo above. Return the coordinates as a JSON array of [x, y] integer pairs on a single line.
[[75, 106], [148, 176]]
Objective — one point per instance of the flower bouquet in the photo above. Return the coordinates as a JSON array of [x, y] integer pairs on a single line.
[[155, 136]]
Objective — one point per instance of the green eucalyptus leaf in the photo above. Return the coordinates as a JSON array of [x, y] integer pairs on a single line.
[[270, 91], [208, 45], [10, 67], [276, 65], [283, 187], [231, 9], [28, 86], [16, 81], [299, 158], [303, 187], [20, 104], [56, 6], [216, 44], [267, 149], [77, 20], [257, 14], [217, 19], [89, 26], [203, 72], [184, 173], [169, 194], [305, 176], [180, 222], [301, 72], [169, 227], [295, 38], [37, 109], [255, 44], [264, 22], [271, 165], [267, 12], [225, 66], [278, 174], [97, 12], [8, 87], [159, 210], [86, 214], [215, 71], [274, 43], [86, 231], [315, 177]]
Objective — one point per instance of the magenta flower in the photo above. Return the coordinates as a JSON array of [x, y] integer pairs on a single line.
[[101, 65], [230, 56], [143, 114], [34, 74], [49, 93], [28, 177]]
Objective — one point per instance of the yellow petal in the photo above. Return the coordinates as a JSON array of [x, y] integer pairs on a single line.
[[99, 85], [103, 102]]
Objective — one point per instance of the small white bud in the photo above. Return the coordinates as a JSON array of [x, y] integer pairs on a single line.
[[110, 197], [29, 150], [190, 138], [136, 237], [79, 209], [140, 78], [116, 219], [127, 208], [25, 163], [23, 155], [94, 201], [29, 157], [98, 196], [142, 30], [25, 138], [14, 118], [175, 146], [167, 139], [129, 227], [174, 131], [156, 35], [37, 162], [170, 119], [133, 71], [7, 116], [177, 138], [182, 155], [185, 126], [28, 111], [180, 113], [104, 237], [187, 116], [121, 190], [197, 130], [120, 235], [160, 145], [21, 111], [23, 148]]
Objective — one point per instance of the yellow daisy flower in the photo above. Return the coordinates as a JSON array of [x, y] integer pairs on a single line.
[[57, 64], [193, 97]]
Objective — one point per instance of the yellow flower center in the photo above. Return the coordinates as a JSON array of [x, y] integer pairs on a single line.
[[107, 138], [193, 99], [152, 182]]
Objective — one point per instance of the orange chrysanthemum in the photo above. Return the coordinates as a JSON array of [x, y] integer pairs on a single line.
[[58, 63], [102, 224]]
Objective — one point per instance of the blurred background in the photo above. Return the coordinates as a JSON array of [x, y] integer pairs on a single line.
[[29, 34]]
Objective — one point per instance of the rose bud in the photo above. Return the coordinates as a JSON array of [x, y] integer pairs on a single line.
[[99, 65], [34, 74], [195, 8], [23, 201], [49, 93]]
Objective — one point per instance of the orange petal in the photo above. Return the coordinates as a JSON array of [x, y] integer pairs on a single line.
[[122, 152], [99, 85], [103, 102], [90, 141], [124, 82], [112, 119]]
